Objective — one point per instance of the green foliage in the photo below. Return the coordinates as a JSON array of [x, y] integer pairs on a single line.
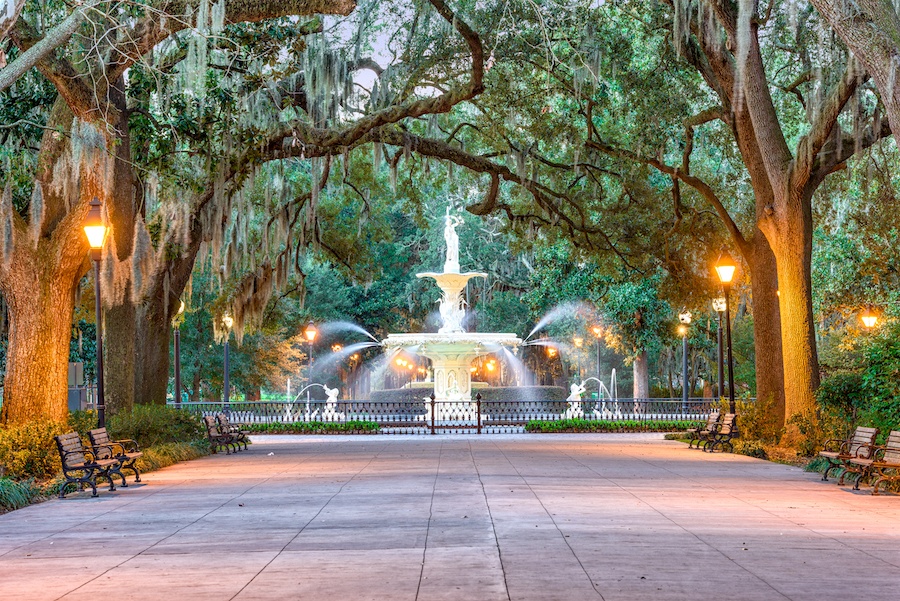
[[28, 450], [751, 448], [350, 427], [756, 419], [589, 425], [843, 392], [152, 425], [83, 421], [17, 494]]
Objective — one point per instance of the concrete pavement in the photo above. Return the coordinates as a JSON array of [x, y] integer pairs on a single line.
[[517, 517]]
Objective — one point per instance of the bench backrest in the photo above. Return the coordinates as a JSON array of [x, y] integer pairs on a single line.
[[892, 448], [728, 423], [70, 443], [862, 437], [212, 427], [98, 436], [712, 419], [100, 441], [222, 419]]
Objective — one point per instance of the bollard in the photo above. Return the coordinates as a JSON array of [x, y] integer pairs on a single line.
[[432, 413], [478, 410]]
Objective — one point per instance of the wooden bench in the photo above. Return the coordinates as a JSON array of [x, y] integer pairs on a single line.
[[722, 434], [240, 436], [699, 433], [81, 466], [126, 451], [219, 438], [882, 459], [839, 452]]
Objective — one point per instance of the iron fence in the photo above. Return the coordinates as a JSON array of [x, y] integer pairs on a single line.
[[453, 416]]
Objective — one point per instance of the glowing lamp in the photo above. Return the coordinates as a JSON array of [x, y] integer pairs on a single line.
[[868, 318], [578, 341], [682, 330], [310, 332], [718, 304], [94, 228], [725, 267], [685, 317], [598, 331]]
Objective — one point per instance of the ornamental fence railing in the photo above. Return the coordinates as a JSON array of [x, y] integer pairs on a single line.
[[430, 417]]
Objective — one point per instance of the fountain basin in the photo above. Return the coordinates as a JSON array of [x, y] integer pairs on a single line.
[[451, 355]]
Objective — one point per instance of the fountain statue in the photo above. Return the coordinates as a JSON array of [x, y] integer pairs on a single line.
[[452, 349]]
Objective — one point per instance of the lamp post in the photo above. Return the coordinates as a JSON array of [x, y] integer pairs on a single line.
[[96, 231], [227, 321], [598, 333], [685, 319], [719, 307], [725, 268], [176, 322], [310, 332]]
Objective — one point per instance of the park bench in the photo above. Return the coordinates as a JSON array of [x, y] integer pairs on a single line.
[[240, 436], [81, 466], [839, 452], [126, 450], [219, 438], [699, 433], [722, 434], [881, 460]]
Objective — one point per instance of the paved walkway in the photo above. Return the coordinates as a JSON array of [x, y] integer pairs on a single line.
[[520, 517]]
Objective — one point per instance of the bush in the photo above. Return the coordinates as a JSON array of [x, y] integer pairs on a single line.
[[751, 448], [350, 427], [28, 451], [15, 495], [843, 392], [591, 425], [83, 421], [756, 419], [153, 425]]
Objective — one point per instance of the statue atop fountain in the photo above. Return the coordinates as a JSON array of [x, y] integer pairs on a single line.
[[451, 222], [451, 281], [452, 349]]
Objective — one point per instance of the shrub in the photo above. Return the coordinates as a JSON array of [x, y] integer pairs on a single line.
[[843, 392], [350, 427], [152, 425], [14, 495], [591, 425], [27, 450], [83, 421], [751, 448]]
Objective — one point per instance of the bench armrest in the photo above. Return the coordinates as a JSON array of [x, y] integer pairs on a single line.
[[834, 445], [127, 445], [89, 457]]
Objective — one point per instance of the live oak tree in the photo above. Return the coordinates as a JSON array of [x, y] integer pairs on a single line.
[[84, 153]]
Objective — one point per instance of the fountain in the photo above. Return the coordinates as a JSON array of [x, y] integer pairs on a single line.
[[452, 349]]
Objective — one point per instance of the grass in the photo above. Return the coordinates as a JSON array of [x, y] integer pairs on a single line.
[[350, 427]]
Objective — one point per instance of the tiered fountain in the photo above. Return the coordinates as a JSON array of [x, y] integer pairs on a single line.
[[452, 349]]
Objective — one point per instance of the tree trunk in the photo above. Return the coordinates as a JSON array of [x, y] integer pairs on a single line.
[[119, 313], [151, 374], [767, 340], [793, 254], [40, 328], [641, 376]]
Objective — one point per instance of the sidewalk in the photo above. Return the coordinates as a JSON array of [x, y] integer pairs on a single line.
[[520, 517]]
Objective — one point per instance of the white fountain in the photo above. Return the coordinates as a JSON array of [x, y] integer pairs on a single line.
[[452, 349]]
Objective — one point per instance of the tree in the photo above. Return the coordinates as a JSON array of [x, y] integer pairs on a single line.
[[84, 153]]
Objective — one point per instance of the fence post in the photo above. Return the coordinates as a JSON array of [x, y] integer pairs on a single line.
[[432, 413], [478, 409]]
